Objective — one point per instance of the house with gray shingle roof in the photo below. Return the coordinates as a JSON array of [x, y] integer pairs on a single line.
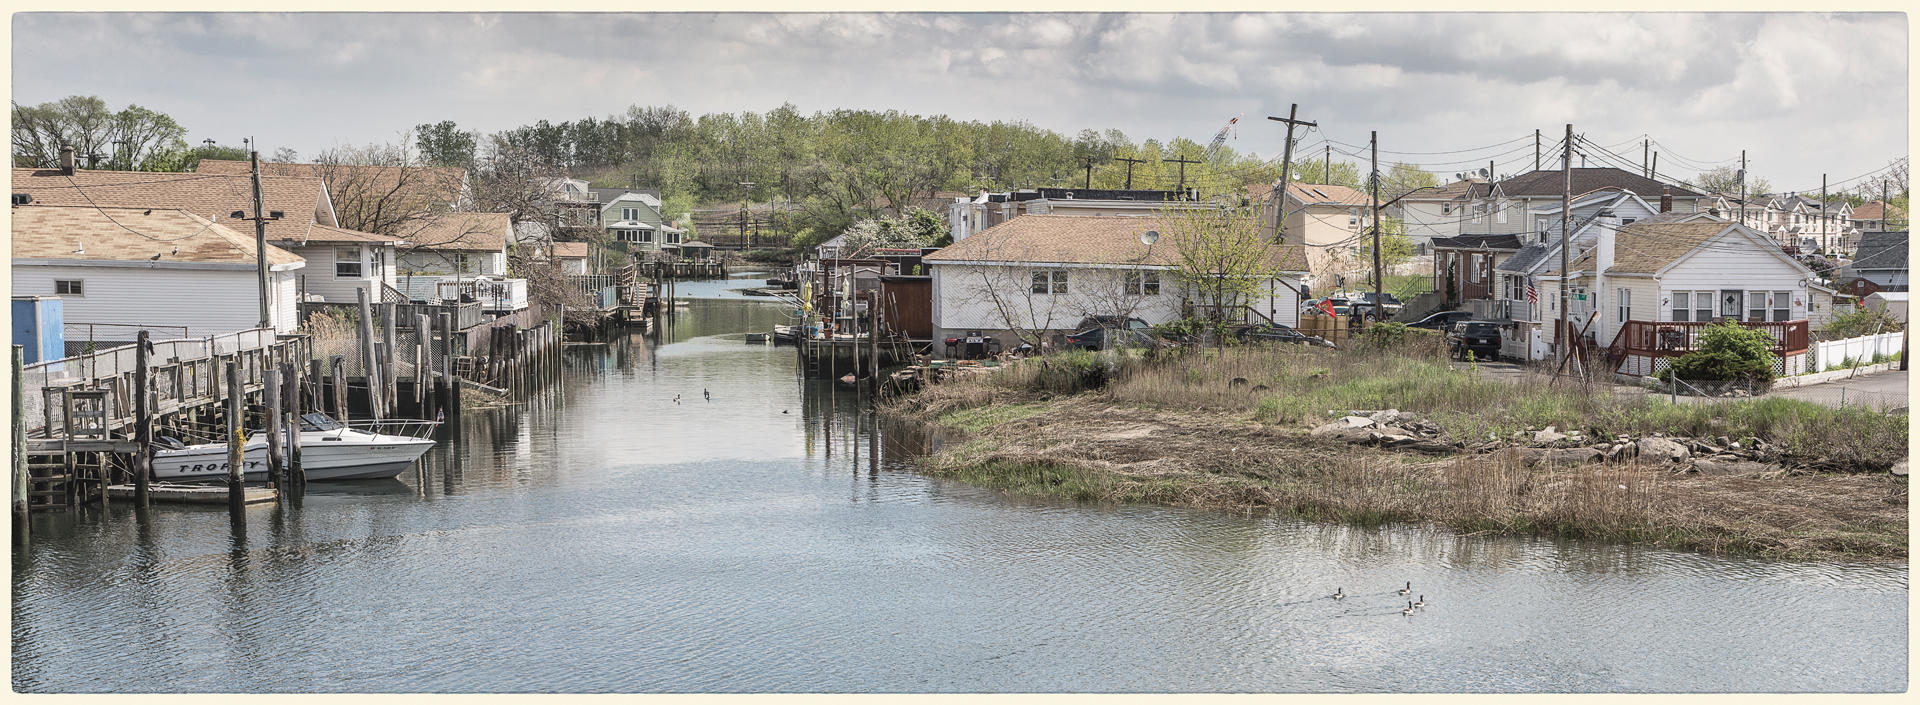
[[1881, 259], [1039, 275]]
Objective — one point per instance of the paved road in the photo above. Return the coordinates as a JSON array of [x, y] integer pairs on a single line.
[[1880, 390]]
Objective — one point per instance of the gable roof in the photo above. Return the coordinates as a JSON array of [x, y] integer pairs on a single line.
[[209, 196], [461, 232], [1552, 182], [442, 184], [134, 234], [1477, 242], [328, 233], [1527, 258], [1447, 192], [1652, 248], [1874, 210], [1881, 251], [1085, 239], [1327, 194]]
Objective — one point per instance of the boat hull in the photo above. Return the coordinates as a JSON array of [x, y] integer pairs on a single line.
[[321, 460]]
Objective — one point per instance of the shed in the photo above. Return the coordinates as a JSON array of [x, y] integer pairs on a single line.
[[1893, 302], [39, 326]]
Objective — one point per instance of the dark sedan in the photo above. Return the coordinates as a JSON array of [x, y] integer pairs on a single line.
[[1096, 338], [1442, 320], [1279, 333]]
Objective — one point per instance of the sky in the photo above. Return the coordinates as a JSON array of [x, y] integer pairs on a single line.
[[1804, 94]]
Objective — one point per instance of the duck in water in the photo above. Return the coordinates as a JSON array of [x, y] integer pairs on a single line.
[[1408, 590], [1339, 593]]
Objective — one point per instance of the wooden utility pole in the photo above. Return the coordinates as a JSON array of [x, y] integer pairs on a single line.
[[1089, 183], [1824, 245], [236, 446], [1379, 281], [1743, 187], [1130, 162], [1183, 162], [260, 241], [1563, 341], [1645, 147], [1536, 150], [746, 191], [1292, 120], [142, 419]]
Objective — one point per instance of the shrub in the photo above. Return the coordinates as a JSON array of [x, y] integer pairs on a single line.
[[1859, 322], [1389, 336], [1726, 351]]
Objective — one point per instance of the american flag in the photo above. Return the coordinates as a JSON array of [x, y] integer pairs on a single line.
[[1533, 295]]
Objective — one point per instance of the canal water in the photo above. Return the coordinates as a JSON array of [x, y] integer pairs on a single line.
[[624, 532]]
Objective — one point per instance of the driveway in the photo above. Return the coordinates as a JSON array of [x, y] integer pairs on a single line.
[[1880, 390]]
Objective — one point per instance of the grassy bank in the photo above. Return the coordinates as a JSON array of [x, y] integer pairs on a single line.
[[1181, 432]]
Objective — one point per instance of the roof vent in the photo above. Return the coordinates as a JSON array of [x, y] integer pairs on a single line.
[[21, 199]]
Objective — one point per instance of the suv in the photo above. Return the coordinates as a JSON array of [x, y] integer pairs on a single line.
[[1441, 321], [1280, 333], [1101, 338], [1482, 338]]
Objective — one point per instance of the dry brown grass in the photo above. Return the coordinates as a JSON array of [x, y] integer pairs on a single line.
[[1091, 449]]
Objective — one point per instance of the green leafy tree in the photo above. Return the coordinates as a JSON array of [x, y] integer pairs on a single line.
[[133, 138], [445, 144], [1224, 261], [1726, 351], [1726, 181]]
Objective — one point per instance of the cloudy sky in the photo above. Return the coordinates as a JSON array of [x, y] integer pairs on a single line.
[[1803, 93]]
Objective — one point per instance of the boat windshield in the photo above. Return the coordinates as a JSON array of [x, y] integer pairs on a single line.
[[318, 422]]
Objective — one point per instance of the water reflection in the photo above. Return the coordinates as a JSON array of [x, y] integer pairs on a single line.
[[598, 536]]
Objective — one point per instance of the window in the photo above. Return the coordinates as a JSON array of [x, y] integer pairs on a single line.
[[1627, 221], [1473, 268], [673, 238], [593, 216], [1050, 282], [379, 263], [346, 261], [460, 262], [1500, 213], [1623, 305], [1479, 210], [70, 287], [1757, 306], [629, 214], [1143, 283], [1353, 216], [1702, 306], [643, 236], [1782, 305], [1446, 209], [1680, 302]]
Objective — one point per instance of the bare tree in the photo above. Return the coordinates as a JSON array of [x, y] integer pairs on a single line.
[[1224, 260]]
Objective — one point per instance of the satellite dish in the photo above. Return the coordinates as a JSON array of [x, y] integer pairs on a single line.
[[1149, 237], [1484, 173]]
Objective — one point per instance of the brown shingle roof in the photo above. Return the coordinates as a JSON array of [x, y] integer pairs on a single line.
[[1646, 248], [572, 250], [1085, 239], [206, 195], [1873, 210], [325, 233], [1551, 182], [460, 232], [442, 183], [132, 234]]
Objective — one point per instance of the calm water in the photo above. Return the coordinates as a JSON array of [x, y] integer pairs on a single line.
[[604, 538]]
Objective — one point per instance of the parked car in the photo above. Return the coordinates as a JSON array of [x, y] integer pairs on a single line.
[[1339, 305], [1126, 322], [1441, 321], [1279, 333], [1389, 304], [1482, 338], [1101, 338]]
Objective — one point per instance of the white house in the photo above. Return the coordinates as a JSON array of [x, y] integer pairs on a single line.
[[342, 262], [122, 269], [461, 253], [1043, 274], [1687, 273], [1435, 213], [634, 218]]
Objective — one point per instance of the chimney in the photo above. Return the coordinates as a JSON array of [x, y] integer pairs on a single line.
[[66, 159], [1666, 199]]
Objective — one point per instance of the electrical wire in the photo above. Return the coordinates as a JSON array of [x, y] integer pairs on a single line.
[[123, 226]]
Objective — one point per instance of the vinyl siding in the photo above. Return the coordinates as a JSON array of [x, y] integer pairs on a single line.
[[959, 302], [321, 279], [205, 301]]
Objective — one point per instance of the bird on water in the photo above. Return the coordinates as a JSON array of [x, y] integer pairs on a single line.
[[1408, 610], [1422, 603], [1339, 593], [676, 400], [1408, 590]]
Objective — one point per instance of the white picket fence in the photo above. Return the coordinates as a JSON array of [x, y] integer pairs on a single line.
[[1834, 352]]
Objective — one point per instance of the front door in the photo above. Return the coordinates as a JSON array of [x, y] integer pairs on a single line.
[[1730, 303]]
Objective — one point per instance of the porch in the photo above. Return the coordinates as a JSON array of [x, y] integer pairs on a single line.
[[1643, 348]]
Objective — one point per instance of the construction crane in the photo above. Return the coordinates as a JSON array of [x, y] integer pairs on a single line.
[[1220, 137]]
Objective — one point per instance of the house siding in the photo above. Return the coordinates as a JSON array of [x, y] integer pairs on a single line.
[[320, 272], [205, 301], [960, 303]]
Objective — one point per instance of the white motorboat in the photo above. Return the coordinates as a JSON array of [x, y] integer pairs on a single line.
[[329, 450]]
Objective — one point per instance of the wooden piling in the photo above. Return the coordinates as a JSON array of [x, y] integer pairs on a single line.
[[372, 368], [236, 446], [339, 395], [390, 358], [873, 341], [270, 398], [315, 381], [20, 477], [449, 389], [422, 368], [142, 422], [296, 471]]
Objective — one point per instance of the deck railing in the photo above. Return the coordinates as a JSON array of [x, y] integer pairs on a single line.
[[1676, 338]]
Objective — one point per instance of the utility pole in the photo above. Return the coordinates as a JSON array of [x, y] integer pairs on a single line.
[[1089, 183], [1743, 187], [260, 238], [1326, 166], [1645, 171], [746, 191], [1563, 341], [1183, 162], [1130, 162], [1373, 176], [1536, 149], [1292, 120], [1824, 245]]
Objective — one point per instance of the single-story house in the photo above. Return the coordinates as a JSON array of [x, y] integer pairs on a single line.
[[1036, 276], [460, 253], [1881, 260], [122, 269], [342, 262], [574, 257], [1647, 288]]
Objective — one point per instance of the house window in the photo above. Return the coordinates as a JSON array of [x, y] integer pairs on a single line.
[[1050, 282], [1782, 305], [1353, 216], [1446, 209], [1500, 214], [379, 263], [673, 238], [1757, 306], [460, 262], [1680, 302], [1479, 211], [1623, 305], [643, 236], [1143, 283], [593, 217], [629, 214], [1473, 268], [70, 287], [1627, 221], [346, 262]]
